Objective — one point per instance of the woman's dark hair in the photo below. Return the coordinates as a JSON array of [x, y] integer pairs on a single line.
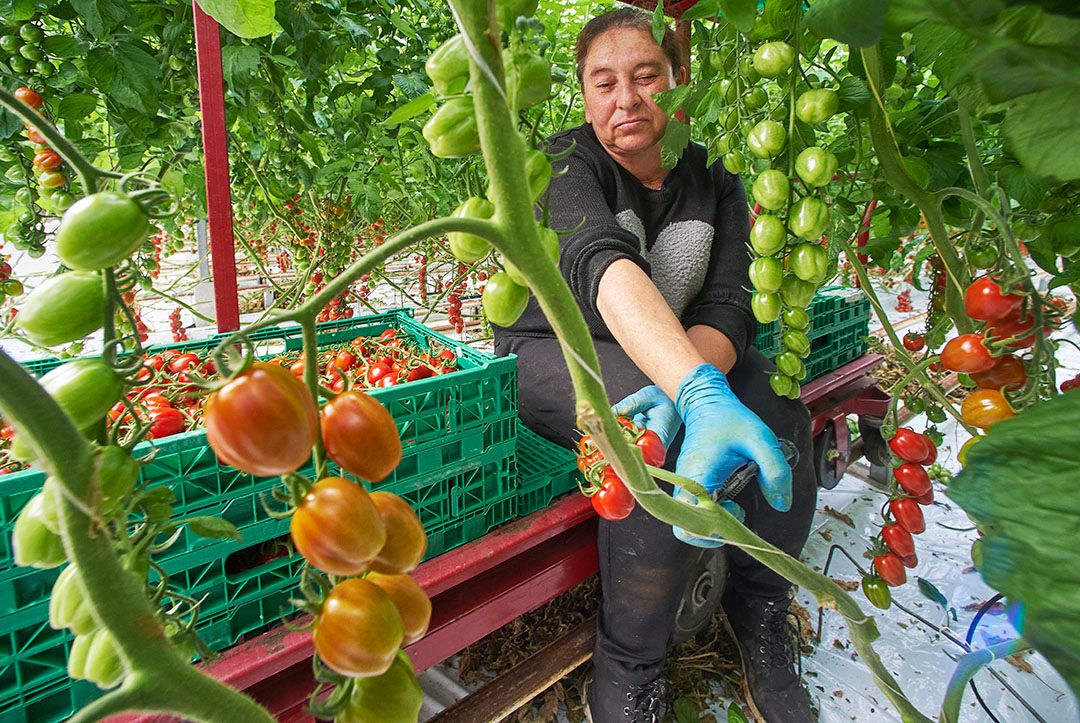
[[626, 18]]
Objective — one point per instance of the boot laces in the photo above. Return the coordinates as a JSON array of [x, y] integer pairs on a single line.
[[776, 635], [645, 702]]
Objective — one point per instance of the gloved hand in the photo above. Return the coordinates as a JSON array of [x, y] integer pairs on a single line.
[[722, 435], [690, 538], [650, 408]]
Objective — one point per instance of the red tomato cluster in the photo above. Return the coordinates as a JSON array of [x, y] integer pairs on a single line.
[[894, 549], [610, 497], [382, 361]]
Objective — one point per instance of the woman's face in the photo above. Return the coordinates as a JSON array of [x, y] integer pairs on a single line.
[[622, 70]]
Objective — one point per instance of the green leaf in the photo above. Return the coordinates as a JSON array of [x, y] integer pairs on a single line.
[[157, 504], [702, 10], [853, 92], [674, 142], [659, 25], [63, 46], [670, 101], [1021, 486], [101, 17], [686, 710], [76, 106], [245, 18], [1026, 188], [214, 528], [859, 23], [740, 12], [735, 714], [238, 62], [782, 14], [413, 108], [1040, 126], [930, 591]]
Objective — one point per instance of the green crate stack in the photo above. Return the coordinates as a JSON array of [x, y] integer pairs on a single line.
[[458, 471], [546, 471], [839, 323]]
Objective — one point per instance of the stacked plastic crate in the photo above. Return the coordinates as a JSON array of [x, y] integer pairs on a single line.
[[458, 471]]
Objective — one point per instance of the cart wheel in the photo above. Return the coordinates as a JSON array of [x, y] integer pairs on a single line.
[[701, 599], [825, 465], [875, 449]]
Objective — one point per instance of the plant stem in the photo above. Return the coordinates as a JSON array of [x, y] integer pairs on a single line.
[[966, 667]]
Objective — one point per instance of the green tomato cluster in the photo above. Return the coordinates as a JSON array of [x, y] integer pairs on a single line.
[[23, 51]]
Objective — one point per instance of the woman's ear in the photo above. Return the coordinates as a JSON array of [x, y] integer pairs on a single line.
[[683, 76]]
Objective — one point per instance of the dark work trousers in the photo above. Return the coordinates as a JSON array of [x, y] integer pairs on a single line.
[[643, 567]]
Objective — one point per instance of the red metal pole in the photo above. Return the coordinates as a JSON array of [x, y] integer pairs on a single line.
[[216, 165]]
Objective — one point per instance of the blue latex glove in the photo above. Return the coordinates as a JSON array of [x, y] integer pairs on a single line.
[[650, 408], [690, 538], [722, 434]]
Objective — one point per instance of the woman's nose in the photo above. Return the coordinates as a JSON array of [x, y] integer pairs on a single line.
[[627, 96]]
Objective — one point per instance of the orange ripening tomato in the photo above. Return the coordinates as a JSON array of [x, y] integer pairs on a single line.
[[966, 353], [337, 528], [1007, 373], [263, 422], [412, 602], [406, 541], [360, 435], [358, 630], [984, 408]]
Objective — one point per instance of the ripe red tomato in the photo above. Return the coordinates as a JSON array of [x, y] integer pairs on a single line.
[[898, 540], [360, 435], [376, 372], [984, 301], [388, 334], [337, 528], [907, 514], [914, 342], [35, 137], [913, 479], [183, 362], [345, 360], [652, 449], [411, 601], [1017, 326], [927, 499], [165, 422], [910, 446], [1008, 373], [1070, 384], [890, 569], [406, 541], [419, 372], [984, 408], [263, 422], [966, 353], [614, 501], [910, 561], [358, 630], [297, 369], [29, 96]]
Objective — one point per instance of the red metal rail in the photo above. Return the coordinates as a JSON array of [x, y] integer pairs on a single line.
[[481, 586], [216, 167]]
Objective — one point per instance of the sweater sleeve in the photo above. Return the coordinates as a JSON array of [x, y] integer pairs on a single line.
[[582, 199], [724, 300]]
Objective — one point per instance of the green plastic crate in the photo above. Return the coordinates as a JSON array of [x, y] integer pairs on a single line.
[[49, 702], [546, 471]]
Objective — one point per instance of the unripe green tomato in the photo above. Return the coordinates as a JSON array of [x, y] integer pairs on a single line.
[[10, 43], [503, 300], [816, 106], [538, 169], [771, 189], [64, 308], [393, 697], [809, 218], [766, 306], [19, 64], [44, 69], [935, 414], [980, 256], [85, 389], [816, 166], [747, 69], [730, 119], [915, 405], [727, 90], [467, 247], [772, 59], [15, 174], [12, 287], [766, 273], [716, 60], [24, 196], [797, 342], [755, 98], [809, 262], [550, 241], [176, 63], [33, 543], [768, 235], [101, 230], [796, 292], [790, 364], [31, 52], [796, 318], [451, 131], [734, 162], [723, 145], [781, 384], [31, 33], [766, 139]]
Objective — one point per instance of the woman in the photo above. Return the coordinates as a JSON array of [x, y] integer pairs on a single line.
[[659, 268]]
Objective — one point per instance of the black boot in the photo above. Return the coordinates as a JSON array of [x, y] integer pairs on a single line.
[[608, 701], [767, 646]]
